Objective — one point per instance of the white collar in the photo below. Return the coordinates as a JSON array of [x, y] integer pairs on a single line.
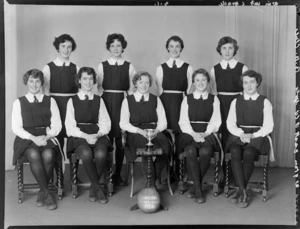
[[30, 96], [81, 95], [138, 96], [232, 63], [113, 61], [253, 97], [197, 95], [59, 62], [178, 62]]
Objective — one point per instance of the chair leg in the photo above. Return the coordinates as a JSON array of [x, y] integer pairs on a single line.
[[216, 179], [110, 185], [74, 179], [265, 186], [168, 177], [181, 171], [20, 183], [60, 180], [226, 188], [132, 178]]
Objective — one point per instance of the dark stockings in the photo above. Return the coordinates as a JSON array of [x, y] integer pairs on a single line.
[[41, 165], [242, 163], [119, 156]]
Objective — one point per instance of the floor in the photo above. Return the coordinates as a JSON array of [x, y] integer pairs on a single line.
[[279, 209]]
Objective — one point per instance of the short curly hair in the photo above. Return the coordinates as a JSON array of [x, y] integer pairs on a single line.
[[201, 71], [139, 75], [226, 40], [252, 74], [34, 73], [116, 36], [175, 38], [87, 70], [63, 38]]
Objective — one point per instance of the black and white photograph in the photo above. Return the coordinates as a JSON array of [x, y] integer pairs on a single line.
[[135, 115]]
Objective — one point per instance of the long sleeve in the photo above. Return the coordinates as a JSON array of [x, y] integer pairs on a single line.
[[213, 84], [215, 120], [161, 115], [131, 74], [268, 123], [184, 120], [100, 78], [104, 122], [70, 123], [46, 86], [17, 121], [231, 120], [189, 78], [125, 117], [56, 125], [159, 79]]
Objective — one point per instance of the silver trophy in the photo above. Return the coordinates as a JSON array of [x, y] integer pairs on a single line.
[[150, 135]]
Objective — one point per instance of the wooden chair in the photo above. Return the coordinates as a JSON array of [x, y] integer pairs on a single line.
[[216, 160], [130, 166], [262, 186], [56, 182], [107, 175]]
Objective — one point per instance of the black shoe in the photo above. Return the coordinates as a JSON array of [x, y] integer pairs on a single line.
[[92, 194], [191, 194], [244, 200], [40, 201], [50, 202], [101, 196]]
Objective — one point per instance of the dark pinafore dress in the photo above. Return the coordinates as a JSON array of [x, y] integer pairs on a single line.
[[115, 77], [86, 114], [249, 113], [143, 115], [62, 80], [200, 112], [227, 80], [36, 118], [173, 79]]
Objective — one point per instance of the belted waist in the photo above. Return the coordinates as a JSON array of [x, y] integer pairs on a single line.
[[115, 91], [249, 126], [172, 91], [85, 123], [202, 122], [229, 93], [63, 94]]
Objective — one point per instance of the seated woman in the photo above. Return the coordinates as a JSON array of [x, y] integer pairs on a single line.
[[87, 125], [36, 121], [199, 118], [249, 121], [141, 111]]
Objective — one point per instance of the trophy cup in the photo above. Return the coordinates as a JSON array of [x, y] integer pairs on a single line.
[[150, 135]]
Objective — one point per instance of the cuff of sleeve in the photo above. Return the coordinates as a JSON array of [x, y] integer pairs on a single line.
[[135, 130], [257, 134]]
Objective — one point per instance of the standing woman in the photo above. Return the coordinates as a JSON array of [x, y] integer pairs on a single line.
[[87, 125], [250, 121], [174, 80], [60, 77], [141, 111], [199, 118], [115, 76], [226, 76], [36, 122]]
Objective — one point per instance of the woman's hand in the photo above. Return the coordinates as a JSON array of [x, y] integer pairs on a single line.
[[90, 138], [39, 140], [142, 132], [198, 137], [245, 138]]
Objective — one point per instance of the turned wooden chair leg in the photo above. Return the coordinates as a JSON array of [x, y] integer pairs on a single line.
[[20, 182], [181, 171], [168, 177], [110, 185], [226, 188], [74, 179], [216, 178]]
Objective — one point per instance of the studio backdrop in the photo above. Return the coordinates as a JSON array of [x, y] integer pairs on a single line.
[[265, 35]]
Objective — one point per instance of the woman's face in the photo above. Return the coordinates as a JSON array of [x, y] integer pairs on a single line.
[[116, 49], [87, 82], [174, 49], [65, 50], [34, 85], [200, 82], [227, 51], [250, 85], [143, 85]]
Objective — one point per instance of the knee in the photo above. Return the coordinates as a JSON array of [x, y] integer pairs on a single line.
[[191, 151], [48, 155], [206, 151], [250, 154], [236, 153], [32, 155], [85, 153], [100, 154]]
